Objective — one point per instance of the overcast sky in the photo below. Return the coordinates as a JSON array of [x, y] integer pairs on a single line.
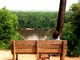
[[34, 5]]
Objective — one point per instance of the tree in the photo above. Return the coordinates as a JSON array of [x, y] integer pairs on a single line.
[[37, 20], [73, 32], [75, 18], [8, 26]]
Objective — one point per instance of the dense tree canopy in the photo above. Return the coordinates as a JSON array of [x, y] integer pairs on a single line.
[[75, 18], [38, 20], [71, 30], [75, 21], [8, 26]]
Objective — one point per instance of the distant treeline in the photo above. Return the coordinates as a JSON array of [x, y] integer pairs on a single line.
[[37, 20]]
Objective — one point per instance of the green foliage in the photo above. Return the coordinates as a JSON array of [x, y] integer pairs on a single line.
[[75, 18], [71, 30], [2, 44], [8, 27], [75, 21], [37, 20], [67, 34]]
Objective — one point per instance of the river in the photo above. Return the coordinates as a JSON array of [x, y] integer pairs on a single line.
[[34, 34]]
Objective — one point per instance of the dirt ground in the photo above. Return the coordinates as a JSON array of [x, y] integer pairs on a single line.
[[6, 55]]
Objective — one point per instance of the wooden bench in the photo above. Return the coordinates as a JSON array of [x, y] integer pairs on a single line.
[[39, 47]]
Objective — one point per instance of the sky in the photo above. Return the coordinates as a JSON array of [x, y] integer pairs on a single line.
[[34, 5]]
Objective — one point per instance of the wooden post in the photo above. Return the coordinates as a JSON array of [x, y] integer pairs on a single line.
[[61, 15], [62, 55], [37, 50], [14, 54]]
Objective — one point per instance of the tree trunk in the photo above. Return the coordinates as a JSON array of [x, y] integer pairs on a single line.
[[61, 14]]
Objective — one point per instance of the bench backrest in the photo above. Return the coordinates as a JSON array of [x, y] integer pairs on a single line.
[[39, 46], [24, 47], [52, 46]]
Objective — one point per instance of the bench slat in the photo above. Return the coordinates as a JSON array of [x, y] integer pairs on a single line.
[[25, 51], [25, 44]]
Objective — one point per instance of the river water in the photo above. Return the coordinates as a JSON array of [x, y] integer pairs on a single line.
[[33, 34]]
